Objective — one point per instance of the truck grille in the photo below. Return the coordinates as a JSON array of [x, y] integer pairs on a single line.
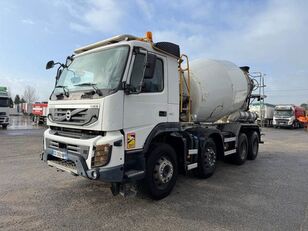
[[65, 165], [70, 148], [73, 116], [2, 113], [75, 133]]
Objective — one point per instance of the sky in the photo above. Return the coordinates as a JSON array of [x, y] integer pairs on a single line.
[[269, 36]]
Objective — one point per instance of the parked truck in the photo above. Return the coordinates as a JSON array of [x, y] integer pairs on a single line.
[[265, 112], [286, 115], [39, 112], [4, 107], [129, 111]]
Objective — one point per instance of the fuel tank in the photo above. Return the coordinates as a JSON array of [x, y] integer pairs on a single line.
[[218, 88]]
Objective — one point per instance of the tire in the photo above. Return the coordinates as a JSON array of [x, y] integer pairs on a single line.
[[4, 126], [161, 159], [240, 156], [207, 159], [253, 146]]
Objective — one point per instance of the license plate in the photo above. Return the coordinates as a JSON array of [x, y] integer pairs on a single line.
[[59, 154]]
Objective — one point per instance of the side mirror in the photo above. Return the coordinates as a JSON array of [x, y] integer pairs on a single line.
[[69, 60], [50, 64], [150, 66]]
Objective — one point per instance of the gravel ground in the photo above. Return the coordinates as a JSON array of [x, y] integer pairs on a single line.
[[270, 193]]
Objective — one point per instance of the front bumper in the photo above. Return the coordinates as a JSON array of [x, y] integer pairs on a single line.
[[79, 165], [282, 123], [111, 174]]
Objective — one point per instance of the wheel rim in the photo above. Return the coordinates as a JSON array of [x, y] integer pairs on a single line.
[[163, 172], [211, 160]]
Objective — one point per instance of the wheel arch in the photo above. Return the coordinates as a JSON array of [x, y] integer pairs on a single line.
[[219, 144], [171, 134]]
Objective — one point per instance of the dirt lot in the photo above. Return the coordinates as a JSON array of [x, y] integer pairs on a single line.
[[270, 193]]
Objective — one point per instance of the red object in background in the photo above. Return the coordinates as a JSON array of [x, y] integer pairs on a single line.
[[39, 109], [299, 112]]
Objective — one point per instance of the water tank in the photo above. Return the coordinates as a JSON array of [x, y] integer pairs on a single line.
[[218, 88]]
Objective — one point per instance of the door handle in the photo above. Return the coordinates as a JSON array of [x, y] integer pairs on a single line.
[[162, 113]]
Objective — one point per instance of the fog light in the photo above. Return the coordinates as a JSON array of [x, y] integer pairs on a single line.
[[102, 155], [94, 175]]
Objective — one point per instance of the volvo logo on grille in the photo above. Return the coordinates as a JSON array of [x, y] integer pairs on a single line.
[[68, 115]]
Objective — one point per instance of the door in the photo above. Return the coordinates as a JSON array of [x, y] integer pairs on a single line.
[[144, 110]]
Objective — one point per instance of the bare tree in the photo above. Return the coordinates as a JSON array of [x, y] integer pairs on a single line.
[[30, 94]]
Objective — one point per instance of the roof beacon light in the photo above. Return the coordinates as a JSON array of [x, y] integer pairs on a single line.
[[148, 36]]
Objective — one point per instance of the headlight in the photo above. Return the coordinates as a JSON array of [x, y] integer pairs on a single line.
[[102, 155]]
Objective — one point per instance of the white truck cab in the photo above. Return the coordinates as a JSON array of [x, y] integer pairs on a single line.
[[114, 116], [4, 107]]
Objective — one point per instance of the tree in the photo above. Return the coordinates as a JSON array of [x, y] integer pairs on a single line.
[[17, 99], [304, 105], [30, 94]]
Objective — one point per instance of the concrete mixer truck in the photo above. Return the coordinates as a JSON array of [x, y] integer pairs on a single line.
[[136, 113]]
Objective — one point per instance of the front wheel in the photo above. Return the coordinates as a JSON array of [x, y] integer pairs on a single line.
[[161, 171], [4, 126]]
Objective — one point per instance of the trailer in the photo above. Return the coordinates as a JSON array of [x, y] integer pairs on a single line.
[[265, 112], [25, 108], [39, 112], [136, 114]]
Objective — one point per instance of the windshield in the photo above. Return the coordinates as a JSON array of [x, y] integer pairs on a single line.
[[104, 69], [4, 102], [286, 113]]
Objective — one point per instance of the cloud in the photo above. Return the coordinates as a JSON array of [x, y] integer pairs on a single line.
[[146, 7], [272, 39], [27, 21], [17, 85], [79, 27], [98, 15]]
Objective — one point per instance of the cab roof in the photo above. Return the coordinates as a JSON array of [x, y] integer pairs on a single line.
[[163, 47]]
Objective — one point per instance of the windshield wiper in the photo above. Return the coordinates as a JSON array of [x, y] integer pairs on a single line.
[[65, 90], [93, 85]]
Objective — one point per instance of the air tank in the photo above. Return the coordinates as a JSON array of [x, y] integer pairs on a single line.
[[218, 89]]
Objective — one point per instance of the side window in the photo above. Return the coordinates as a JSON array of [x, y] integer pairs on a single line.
[[156, 84], [137, 72]]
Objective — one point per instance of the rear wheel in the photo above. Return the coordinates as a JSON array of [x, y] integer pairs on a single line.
[[207, 160], [253, 146], [161, 171], [240, 156]]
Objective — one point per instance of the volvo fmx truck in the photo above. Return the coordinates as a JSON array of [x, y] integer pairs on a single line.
[[136, 113]]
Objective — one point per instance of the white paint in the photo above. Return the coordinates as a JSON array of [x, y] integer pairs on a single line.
[[192, 166], [230, 152], [231, 139], [192, 151]]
